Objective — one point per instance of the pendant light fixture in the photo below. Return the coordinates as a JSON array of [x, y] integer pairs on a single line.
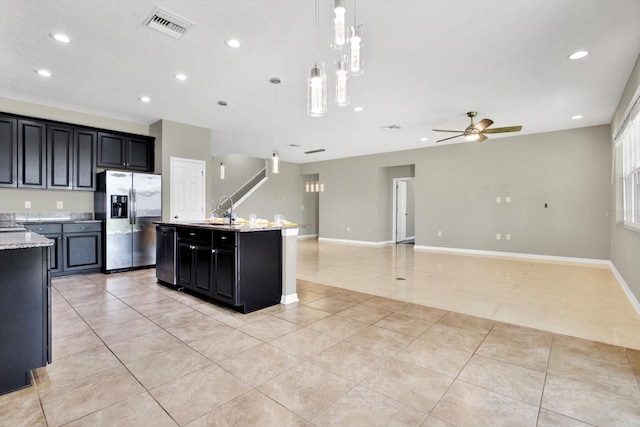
[[355, 45], [339, 25], [222, 169], [275, 162], [317, 82], [341, 96]]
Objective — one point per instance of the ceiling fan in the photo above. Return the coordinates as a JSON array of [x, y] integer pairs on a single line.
[[477, 131]]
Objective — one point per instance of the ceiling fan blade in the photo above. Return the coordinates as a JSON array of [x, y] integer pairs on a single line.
[[482, 137], [451, 137], [504, 129], [442, 130], [483, 124]]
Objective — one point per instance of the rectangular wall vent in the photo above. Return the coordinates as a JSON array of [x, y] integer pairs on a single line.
[[168, 22]]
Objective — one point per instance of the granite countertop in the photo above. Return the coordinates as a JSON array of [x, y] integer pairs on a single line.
[[242, 228], [23, 240]]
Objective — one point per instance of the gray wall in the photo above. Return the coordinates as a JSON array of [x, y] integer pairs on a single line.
[[184, 141], [625, 243], [44, 201], [456, 186]]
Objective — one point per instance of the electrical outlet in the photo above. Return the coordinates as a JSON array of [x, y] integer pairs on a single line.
[[498, 200], [348, 228], [508, 236], [59, 205], [439, 233], [507, 199], [302, 207], [27, 204], [498, 236]]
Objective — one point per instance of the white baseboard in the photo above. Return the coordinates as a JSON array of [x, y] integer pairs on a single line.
[[289, 299], [632, 298], [354, 242], [307, 237], [499, 254]]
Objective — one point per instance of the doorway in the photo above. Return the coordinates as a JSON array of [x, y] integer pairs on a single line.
[[403, 210], [187, 189]]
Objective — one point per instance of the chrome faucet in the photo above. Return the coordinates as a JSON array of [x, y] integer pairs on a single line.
[[230, 210]]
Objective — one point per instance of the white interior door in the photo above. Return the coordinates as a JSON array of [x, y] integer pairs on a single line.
[[401, 211], [187, 191]]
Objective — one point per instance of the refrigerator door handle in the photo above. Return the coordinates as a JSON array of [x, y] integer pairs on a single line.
[[135, 206], [130, 206]]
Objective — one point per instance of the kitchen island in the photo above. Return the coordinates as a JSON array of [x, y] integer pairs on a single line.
[[243, 267], [25, 307]]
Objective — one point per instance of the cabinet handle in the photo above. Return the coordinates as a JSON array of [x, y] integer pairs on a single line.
[[213, 251], [224, 237], [192, 234], [192, 247]]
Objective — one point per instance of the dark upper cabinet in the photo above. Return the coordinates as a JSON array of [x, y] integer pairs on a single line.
[[85, 145], [59, 157], [111, 150], [8, 152], [123, 151], [32, 154], [140, 153]]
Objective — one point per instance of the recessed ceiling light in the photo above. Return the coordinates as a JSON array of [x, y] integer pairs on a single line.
[[576, 117], [578, 54], [44, 73], [222, 103], [294, 145], [145, 99], [358, 109], [424, 139], [62, 38], [234, 43], [180, 76]]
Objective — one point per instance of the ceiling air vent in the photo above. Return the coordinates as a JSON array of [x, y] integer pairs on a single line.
[[319, 150], [168, 22]]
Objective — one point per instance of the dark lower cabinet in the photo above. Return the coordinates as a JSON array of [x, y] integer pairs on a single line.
[[166, 255], [25, 315], [242, 270], [77, 247]]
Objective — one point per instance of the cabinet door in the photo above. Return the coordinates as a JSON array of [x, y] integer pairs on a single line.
[[185, 264], [140, 154], [111, 150], [31, 154], [82, 251], [59, 157], [55, 253], [165, 254], [203, 261], [224, 275], [8, 152], [85, 143]]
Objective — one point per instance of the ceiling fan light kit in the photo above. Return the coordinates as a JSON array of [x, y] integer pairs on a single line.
[[477, 131]]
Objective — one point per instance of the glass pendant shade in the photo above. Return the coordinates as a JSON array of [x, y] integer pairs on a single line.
[[339, 26], [317, 91], [275, 164], [355, 45], [221, 170], [341, 96]]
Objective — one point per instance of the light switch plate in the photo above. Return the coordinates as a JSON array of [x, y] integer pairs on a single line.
[[498, 236], [27, 204], [498, 200], [507, 199], [59, 205]]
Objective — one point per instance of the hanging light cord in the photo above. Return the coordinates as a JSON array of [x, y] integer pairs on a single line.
[[355, 3], [317, 29]]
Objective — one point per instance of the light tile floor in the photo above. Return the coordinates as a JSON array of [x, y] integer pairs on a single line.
[[580, 300], [128, 352]]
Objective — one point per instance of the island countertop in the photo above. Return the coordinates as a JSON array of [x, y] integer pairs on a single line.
[[241, 228], [23, 240]]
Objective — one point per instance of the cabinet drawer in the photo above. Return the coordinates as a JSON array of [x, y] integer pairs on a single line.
[[44, 228], [81, 227], [200, 235], [227, 238]]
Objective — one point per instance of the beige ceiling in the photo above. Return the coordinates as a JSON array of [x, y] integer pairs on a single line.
[[427, 63]]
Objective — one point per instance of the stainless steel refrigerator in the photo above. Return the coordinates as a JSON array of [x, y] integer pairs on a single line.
[[128, 203]]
